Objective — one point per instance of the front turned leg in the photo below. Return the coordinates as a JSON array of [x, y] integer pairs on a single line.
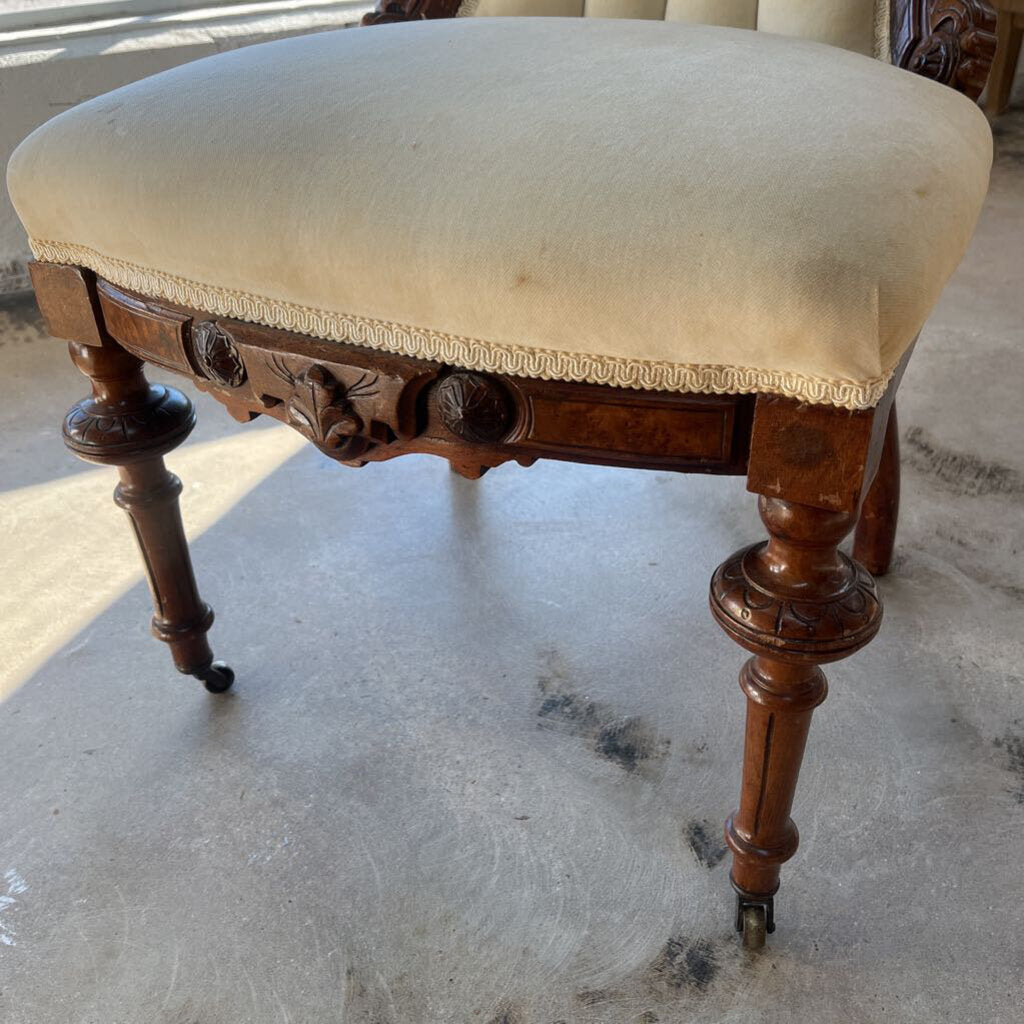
[[131, 424], [795, 602]]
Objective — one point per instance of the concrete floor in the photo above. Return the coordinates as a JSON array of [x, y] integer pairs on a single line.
[[390, 821]]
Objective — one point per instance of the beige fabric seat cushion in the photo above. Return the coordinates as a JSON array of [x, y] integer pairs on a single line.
[[649, 205]]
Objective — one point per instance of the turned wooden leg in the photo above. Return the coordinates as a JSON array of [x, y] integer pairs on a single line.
[[796, 602], [1009, 34], [875, 537], [131, 424]]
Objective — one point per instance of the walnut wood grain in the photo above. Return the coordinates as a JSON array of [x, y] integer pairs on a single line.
[[816, 454], [156, 335]]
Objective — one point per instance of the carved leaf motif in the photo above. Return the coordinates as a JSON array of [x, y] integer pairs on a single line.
[[319, 404], [320, 407]]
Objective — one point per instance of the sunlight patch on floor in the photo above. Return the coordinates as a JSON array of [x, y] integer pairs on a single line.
[[69, 554]]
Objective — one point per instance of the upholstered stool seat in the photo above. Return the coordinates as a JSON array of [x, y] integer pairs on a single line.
[[639, 242], [653, 205]]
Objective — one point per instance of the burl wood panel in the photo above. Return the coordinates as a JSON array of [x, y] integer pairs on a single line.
[[156, 335]]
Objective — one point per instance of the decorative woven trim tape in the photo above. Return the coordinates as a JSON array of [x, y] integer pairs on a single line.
[[883, 22], [469, 353]]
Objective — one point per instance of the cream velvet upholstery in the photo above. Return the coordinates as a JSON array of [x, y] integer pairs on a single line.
[[859, 25], [626, 202]]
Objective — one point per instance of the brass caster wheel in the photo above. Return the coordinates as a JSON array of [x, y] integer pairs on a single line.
[[755, 917], [755, 928], [216, 677]]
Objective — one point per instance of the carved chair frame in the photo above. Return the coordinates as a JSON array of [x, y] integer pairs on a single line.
[[795, 601]]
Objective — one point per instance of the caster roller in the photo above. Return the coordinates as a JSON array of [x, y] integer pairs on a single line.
[[216, 677], [755, 927], [755, 918]]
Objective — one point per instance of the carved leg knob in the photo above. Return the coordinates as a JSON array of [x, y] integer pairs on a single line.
[[126, 418], [797, 597]]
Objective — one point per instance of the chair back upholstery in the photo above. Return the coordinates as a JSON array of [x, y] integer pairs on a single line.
[[860, 25]]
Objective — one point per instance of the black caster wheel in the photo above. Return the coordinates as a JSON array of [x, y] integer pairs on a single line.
[[216, 677], [755, 928]]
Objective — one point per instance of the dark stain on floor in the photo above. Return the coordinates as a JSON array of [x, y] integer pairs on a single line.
[[959, 472], [1012, 746], [507, 1014], [625, 740], [627, 743], [705, 841], [682, 964], [594, 997], [366, 999], [1011, 590], [20, 318]]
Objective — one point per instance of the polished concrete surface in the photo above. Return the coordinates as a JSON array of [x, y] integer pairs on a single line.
[[484, 734]]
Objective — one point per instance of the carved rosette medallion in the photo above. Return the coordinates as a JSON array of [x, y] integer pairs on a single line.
[[320, 407], [474, 407], [216, 354], [780, 624]]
